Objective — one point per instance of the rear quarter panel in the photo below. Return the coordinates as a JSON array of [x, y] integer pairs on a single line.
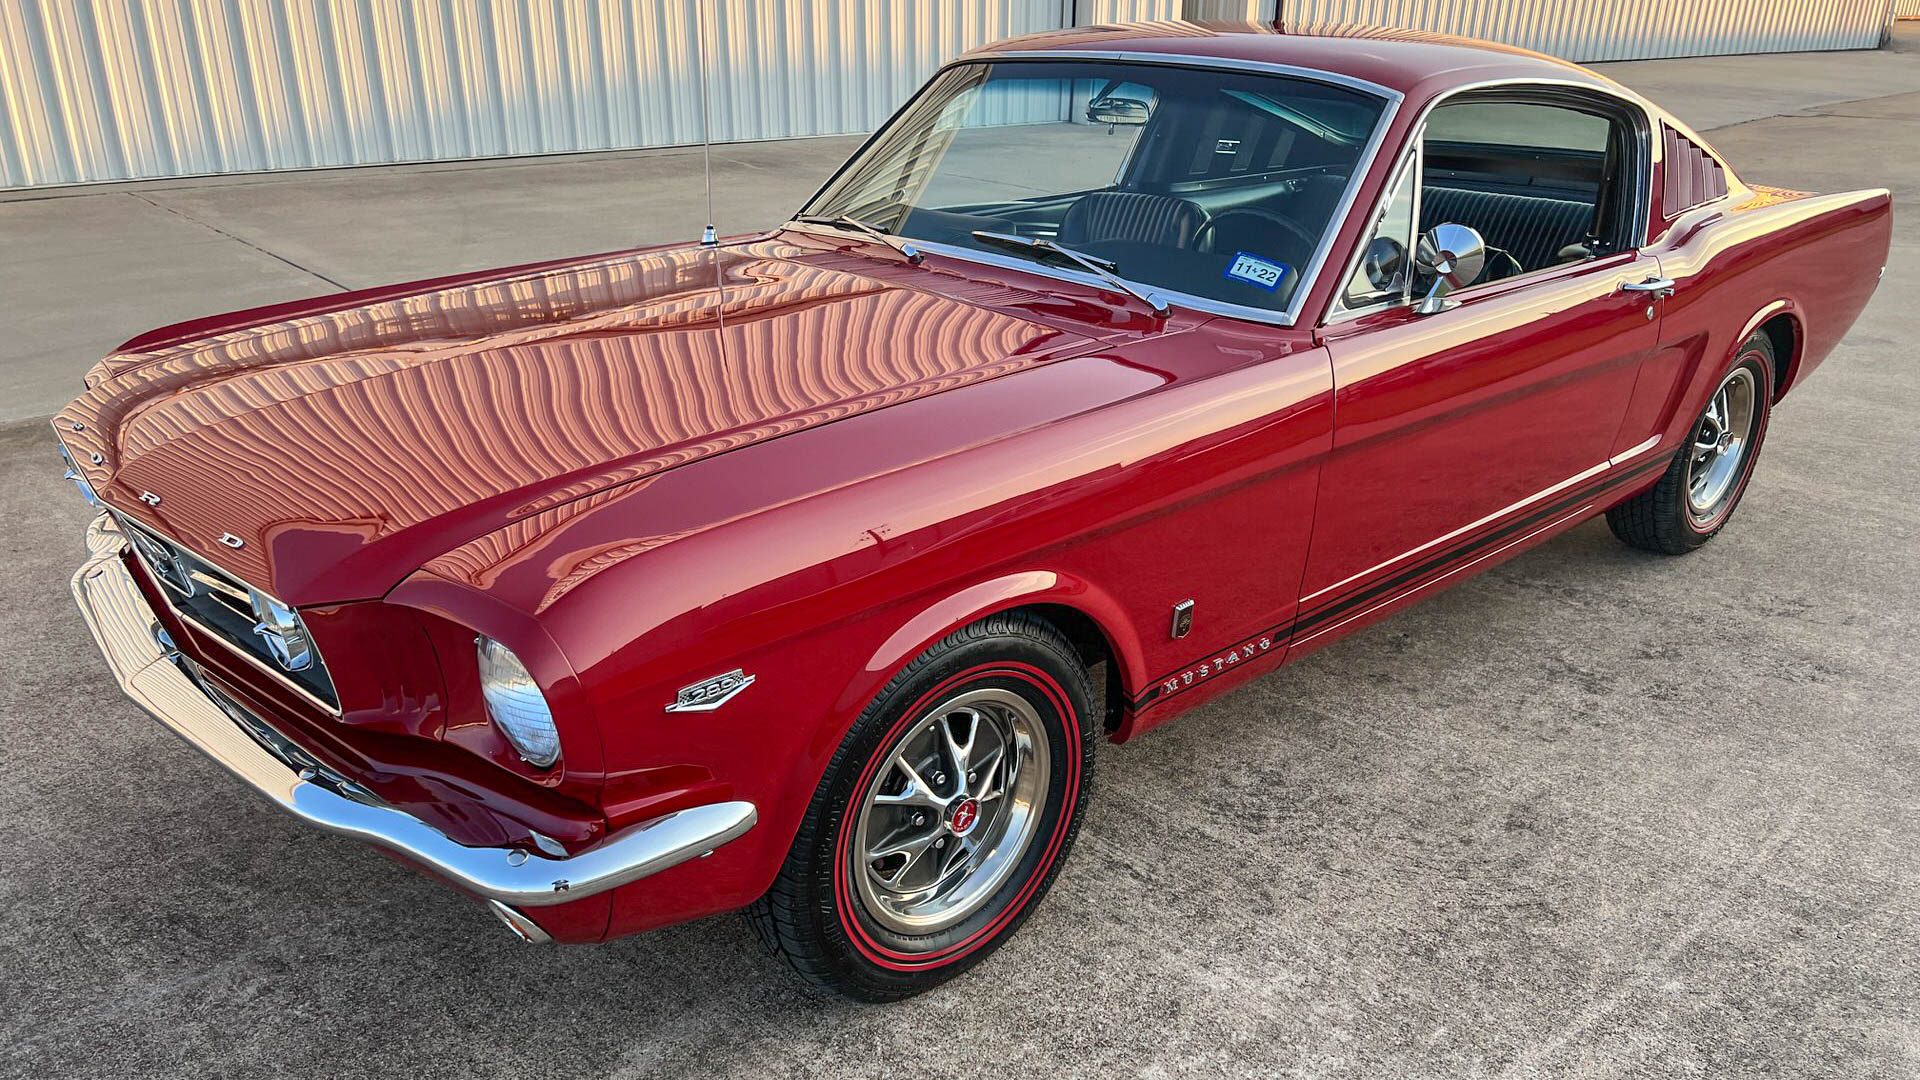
[[1739, 262]]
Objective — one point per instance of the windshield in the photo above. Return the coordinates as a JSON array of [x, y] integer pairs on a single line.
[[1209, 182]]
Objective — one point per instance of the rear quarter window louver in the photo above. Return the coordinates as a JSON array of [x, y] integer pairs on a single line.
[[1693, 176]]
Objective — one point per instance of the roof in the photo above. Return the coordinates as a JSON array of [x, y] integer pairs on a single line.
[[1412, 62]]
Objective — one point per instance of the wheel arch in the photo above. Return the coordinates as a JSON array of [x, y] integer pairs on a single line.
[[1780, 321], [1086, 615]]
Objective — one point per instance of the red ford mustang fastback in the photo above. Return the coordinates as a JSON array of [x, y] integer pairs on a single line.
[[805, 572]]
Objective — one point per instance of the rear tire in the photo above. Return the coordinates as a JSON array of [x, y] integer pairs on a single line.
[[1695, 498], [943, 816]]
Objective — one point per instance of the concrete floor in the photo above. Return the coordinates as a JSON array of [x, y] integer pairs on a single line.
[[1593, 814]]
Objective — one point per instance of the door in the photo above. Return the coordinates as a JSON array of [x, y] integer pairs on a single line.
[[1450, 426]]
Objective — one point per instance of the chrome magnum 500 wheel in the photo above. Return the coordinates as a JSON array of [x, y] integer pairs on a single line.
[[1697, 494], [942, 818], [953, 807], [1721, 446]]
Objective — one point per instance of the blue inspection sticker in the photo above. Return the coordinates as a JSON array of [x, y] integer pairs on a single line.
[[1256, 271]]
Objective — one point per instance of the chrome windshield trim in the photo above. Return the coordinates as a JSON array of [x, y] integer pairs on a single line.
[[1309, 275]]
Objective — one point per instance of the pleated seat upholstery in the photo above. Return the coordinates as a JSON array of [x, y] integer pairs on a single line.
[[1131, 216], [1532, 228]]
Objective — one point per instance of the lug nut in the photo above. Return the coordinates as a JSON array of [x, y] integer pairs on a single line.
[[973, 778], [919, 819], [940, 843], [939, 778]]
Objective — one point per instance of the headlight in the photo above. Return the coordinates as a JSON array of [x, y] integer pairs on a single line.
[[516, 704]]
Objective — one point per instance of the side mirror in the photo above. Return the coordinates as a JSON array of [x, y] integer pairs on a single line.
[[1118, 112], [1455, 255], [1384, 262]]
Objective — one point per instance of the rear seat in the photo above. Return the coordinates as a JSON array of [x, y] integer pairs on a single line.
[[1532, 228]]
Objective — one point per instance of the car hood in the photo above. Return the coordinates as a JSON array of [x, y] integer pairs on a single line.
[[327, 453]]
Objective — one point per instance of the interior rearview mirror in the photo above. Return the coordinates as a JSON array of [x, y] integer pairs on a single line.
[[1454, 255], [1115, 111]]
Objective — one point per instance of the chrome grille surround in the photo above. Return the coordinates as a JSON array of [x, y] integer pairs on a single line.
[[221, 606]]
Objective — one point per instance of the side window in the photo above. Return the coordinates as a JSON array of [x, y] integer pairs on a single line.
[[1543, 184], [1385, 272]]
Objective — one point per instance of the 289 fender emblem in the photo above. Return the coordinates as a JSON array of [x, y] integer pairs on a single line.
[[711, 694]]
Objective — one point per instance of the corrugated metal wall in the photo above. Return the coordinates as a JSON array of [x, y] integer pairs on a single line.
[[114, 89], [1593, 30], [117, 89], [1906, 9]]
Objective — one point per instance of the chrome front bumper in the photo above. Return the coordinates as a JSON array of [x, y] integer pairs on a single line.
[[168, 685]]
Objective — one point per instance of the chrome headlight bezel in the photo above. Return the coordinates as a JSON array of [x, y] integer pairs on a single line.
[[516, 704]]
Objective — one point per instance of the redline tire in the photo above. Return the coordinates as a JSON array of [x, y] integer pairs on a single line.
[[830, 923], [1668, 517]]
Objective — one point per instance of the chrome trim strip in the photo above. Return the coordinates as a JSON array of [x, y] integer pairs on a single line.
[[1308, 274], [1401, 594], [1410, 159], [1467, 528], [279, 677], [1635, 451], [122, 623], [207, 631]]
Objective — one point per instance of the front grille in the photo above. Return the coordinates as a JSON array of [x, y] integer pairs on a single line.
[[221, 606], [295, 756]]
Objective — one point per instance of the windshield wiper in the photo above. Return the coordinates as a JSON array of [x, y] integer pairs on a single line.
[[1104, 269], [848, 221]]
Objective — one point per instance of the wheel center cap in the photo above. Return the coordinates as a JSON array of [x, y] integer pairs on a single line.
[[965, 815]]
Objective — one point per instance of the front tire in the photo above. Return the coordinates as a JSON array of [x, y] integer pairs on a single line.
[[942, 818], [1696, 496]]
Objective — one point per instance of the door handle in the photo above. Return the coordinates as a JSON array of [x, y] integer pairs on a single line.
[[1660, 287]]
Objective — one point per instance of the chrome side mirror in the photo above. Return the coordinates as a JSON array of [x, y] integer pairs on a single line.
[[1455, 255], [1384, 262]]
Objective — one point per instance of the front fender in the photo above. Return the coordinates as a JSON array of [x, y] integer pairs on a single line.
[[935, 620]]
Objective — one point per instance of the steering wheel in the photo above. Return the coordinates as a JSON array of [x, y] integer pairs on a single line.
[[1203, 239]]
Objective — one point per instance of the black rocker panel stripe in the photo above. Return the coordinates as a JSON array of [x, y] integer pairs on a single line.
[[1409, 579], [1472, 547]]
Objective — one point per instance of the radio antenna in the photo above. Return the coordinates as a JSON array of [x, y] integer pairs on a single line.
[[708, 237]]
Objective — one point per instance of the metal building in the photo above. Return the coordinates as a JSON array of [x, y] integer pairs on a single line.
[[94, 90]]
